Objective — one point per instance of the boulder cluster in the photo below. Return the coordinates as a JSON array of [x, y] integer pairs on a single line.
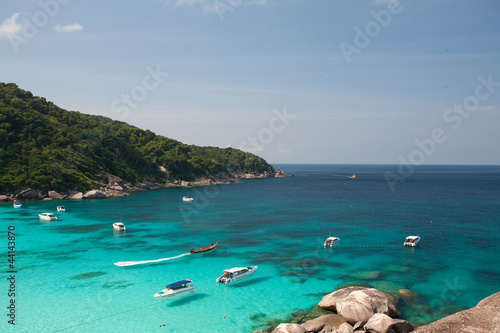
[[116, 187], [360, 309]]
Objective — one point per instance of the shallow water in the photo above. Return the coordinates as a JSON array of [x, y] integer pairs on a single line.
[[66, 280]]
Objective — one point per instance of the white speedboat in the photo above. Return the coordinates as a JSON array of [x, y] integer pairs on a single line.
[[61, 209], [236, 274], [119, 226], [47, 216], [187, 199], [176, 289], [412, 240], [331, 241], [17, 204]]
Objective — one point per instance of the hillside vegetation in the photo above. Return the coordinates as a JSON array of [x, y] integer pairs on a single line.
[[45, 147]]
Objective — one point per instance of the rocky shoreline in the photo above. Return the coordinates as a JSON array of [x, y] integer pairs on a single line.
[[360, 309], [116, 187]]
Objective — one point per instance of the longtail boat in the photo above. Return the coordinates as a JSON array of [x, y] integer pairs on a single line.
[[204, 249]]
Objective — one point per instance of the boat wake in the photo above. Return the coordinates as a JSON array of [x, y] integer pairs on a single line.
[[132, 263], [341, 176]]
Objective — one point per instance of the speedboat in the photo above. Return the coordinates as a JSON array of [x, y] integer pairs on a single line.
[[187, 199], [204, 249], [17, 204], [176, 289], [412, 240], [331, 241], [47, 216], [236, 274], [119, 226], [61, 209], [353, 176]]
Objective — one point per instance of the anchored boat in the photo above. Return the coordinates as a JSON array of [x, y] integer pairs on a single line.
[[204, 249], [236, 274], [119, 226], [411, 241], [47, 216], [331, 241], [176, 289]]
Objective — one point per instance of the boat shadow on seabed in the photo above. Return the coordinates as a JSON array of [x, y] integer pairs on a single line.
[[186, 299], [248, 282]]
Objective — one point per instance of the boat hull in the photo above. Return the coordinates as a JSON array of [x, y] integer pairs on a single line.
[[226, 280], [411, 241], [169, 293], [47, 217], [204, 249], [119, 226], [331, 241]]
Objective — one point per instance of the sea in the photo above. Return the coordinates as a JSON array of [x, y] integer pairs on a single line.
[[60, 276]]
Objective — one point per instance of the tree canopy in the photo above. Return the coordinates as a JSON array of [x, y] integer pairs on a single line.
[[48, 148]]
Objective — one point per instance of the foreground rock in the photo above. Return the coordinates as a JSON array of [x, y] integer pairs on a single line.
[[485, 317], [289, 328], [381, 323], [359, 304], [325, 323]]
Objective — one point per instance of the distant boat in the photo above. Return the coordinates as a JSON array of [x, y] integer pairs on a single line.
[[331, 241], [119, 226], [187, 199], [61, 209], [236, 274], [411, 241], [176, 289], [353, 176], [17, 204], [47, 216], [204, 249]]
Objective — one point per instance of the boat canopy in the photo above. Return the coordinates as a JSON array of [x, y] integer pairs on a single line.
[[177, 284], [17, 203], [60, 206], [235, 269]]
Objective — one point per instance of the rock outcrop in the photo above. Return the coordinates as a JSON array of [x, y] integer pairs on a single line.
[[359, 309], [359, 303], [55, 195], [94, 194], [485, 317], [114, 186], [381, 323]]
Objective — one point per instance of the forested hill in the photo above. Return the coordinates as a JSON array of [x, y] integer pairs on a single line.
[[44, 147]]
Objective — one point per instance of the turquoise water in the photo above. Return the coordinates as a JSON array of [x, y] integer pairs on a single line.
[[66, 280]]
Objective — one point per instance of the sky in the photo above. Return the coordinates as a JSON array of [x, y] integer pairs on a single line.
[[296, 81]]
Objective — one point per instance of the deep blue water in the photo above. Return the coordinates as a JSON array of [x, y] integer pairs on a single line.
[[66, 280]]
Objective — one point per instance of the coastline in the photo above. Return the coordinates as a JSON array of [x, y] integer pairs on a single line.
[[116, 187]]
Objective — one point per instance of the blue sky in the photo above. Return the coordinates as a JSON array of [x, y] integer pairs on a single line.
[[378, 81]]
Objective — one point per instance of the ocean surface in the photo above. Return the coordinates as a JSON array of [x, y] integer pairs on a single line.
[[65, 279]]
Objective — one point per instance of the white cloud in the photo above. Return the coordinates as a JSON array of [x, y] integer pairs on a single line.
[[69, 27], [10, 27]]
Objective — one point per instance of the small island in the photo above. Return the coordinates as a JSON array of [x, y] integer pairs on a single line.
[[47, 152]]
